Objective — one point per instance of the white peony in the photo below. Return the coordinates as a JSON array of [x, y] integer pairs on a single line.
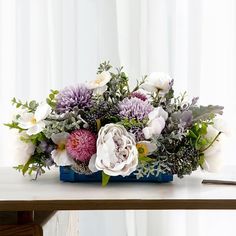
[[99, 84], [23, 150], [156, 123], [212, 155], [157, 81], [59, 155], [34, 122], [116, 151]]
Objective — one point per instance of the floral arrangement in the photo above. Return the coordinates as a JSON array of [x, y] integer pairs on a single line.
[[104, 125]]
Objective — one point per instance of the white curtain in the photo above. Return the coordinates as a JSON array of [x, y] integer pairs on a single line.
[[54, 43]]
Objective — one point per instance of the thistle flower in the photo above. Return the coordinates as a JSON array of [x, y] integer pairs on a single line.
[[71, 97], [81, 145], [134, 108]]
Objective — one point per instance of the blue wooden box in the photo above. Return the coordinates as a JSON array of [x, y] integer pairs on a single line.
[[68, 175]]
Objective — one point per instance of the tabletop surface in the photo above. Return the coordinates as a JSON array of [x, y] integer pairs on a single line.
[[48, 193]]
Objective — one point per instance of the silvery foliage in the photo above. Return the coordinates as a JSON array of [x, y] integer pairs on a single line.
[[206, 112], [57, 123], [153, 168]]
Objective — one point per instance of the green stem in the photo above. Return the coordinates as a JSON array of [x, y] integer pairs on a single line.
[[212, 142]]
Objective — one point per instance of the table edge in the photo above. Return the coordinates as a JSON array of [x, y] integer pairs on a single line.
[[115, 204]]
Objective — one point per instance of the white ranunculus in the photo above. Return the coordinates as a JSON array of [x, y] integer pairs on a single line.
[[23, 150], [99, 84], [116, 151], [157, 81], [59, 155], [157, 119], [34, 122], [212, 156]]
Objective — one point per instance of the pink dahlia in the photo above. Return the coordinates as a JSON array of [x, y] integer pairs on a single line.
[[81, 145]]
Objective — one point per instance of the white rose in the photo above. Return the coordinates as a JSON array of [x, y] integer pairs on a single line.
[[157, 119], [99, 84], [116, 151], [157, 81], [212, 156], [23, 150]]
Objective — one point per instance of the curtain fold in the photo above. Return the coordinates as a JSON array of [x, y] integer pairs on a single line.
[[48, 44]]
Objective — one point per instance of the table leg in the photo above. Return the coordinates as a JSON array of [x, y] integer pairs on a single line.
[[23, 223], [25, 217]]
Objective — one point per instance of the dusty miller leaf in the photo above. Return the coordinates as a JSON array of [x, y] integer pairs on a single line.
[[206, 112]]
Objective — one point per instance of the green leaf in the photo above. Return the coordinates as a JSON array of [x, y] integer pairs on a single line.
[[14, 125], [202, 159], [33, 104], [203, 129], [146, 159], [51, 96], [105, 179], [98, 121], [26, 166], [191, 134]]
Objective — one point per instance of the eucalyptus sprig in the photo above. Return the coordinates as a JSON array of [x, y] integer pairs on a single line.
[[30, 106], [51, 100]]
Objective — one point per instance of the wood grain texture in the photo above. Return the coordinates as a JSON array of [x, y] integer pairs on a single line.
[[126, 204], [21, 230]]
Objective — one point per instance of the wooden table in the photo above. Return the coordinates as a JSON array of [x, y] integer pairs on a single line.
[[21, 197]]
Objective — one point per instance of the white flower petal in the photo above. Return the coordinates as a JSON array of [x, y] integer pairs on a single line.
[[148, 87], [157, 125], [157, 80], [25, 120], [61, 158], [162, 113], [42, 112], [147, 131], [116, 151], [100, 90], [213, 162], [101, 80], [221, 125], [92, 161], [158, 112], [151, 146], [23, 150], [36, 128], [60, 137], [211, 133]]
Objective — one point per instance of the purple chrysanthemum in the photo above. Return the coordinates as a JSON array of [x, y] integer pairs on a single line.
[[79, 96], [139, 95], [134, 108]]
